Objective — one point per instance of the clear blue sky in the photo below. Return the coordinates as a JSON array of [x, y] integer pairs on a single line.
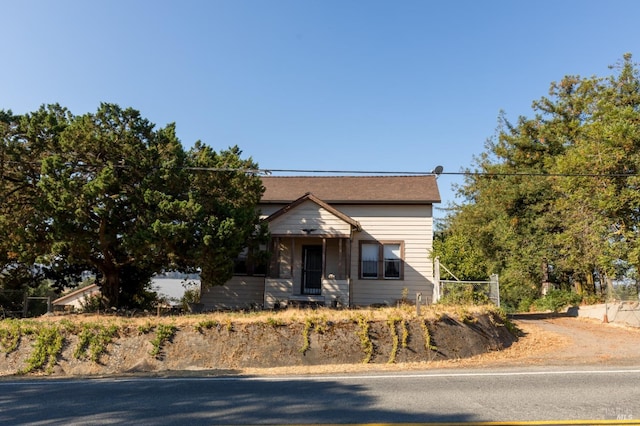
[[313, 84]]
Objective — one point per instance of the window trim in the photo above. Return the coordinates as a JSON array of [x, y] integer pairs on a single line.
[[381, 262]]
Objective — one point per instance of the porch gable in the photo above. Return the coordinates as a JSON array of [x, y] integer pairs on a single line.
[[310, 216]]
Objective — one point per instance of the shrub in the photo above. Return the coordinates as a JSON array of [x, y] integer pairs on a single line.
[[555, 300]]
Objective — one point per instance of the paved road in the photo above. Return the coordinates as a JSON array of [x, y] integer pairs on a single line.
[[433, 396]]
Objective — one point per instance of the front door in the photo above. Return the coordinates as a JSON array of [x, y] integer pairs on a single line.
[[311, 269]]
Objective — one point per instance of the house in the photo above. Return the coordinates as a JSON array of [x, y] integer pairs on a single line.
[[76, 300], [168, 286], [338, 241]]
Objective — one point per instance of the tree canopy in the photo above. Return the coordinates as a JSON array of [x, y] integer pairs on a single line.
[[108, 192], [555, 195]]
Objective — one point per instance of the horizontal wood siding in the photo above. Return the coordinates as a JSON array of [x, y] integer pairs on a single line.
[[276, 290], [411, 224], [309, 216], [240, 292], [335, 291]]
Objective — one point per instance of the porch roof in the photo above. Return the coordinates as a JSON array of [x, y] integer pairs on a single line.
[[418, 189], [311, 197]]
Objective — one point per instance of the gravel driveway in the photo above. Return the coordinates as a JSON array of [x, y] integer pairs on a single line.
[[563, 340]]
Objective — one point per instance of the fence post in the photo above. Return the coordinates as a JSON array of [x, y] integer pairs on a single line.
[[436, 280], [25, 305], [494, 289]]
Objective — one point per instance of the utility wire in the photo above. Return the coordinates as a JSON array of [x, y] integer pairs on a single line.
[[267, 171]]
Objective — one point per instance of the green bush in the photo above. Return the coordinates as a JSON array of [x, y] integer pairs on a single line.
[[555, 300]]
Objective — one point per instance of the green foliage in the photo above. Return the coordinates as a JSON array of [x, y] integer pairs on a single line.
[[94, 339], [206, 325], [405, 333], [365, 340], [164, 333], [275, 322], [427, 337], [92, 303], [306, 335], [145, 328], [191, 295], [110, 193], [556, 300], [394, 338], [10, 332], [47, 347], [554, 197], [319, 324]]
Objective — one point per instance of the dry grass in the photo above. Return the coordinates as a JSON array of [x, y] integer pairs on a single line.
[[287, 316]]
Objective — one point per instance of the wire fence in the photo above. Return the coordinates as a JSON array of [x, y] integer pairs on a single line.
[[474, 292], [623, 292], [461, 292], [18, 304]]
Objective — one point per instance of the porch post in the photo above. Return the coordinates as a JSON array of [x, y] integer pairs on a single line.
[[348, 268], [341, 273], [324, 257], [275, 258], [293, 261]]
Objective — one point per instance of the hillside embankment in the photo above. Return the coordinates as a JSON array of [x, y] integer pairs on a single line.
[[90, 345]]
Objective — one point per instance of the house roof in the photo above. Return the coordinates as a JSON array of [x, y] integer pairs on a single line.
[[90, 289], [418, 189]]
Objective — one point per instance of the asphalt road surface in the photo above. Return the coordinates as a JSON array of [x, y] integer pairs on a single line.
[[470, 396]]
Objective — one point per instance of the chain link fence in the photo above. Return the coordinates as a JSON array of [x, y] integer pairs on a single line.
[[463, 292], [623, 292], [473, 292]]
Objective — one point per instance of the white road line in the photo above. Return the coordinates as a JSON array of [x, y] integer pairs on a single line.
[[57, 381]]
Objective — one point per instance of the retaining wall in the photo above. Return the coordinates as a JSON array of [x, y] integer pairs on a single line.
[[626, 313]]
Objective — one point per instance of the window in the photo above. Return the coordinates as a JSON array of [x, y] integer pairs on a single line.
[[369, 255], [391, 260], [381, 260], [250, 262]]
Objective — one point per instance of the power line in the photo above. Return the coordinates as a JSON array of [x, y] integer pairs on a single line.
[[269, 171]]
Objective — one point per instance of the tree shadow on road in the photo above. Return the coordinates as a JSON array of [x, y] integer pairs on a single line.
[[207, 401]]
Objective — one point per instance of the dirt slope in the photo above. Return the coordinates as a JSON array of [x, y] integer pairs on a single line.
[[243, 346]]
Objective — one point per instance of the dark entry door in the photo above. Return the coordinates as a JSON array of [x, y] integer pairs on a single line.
[[311, 269]]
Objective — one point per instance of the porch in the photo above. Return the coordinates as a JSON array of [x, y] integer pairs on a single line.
[[308, 270]]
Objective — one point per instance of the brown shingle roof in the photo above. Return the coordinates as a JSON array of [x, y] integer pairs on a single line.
[[353, 189]]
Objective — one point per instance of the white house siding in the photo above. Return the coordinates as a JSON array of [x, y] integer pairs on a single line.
[[412, 224], [240, 292], [276, 290], [336, 291], [309, 216]]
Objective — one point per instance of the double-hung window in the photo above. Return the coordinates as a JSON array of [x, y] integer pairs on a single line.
[[381, 260]]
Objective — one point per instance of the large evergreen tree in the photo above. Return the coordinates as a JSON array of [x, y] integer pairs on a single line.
[[110, 193], [557, 193]]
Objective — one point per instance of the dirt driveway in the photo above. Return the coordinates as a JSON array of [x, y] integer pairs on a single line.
[[558, 340]]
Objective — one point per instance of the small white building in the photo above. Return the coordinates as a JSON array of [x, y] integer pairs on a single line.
[[76, 299]]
